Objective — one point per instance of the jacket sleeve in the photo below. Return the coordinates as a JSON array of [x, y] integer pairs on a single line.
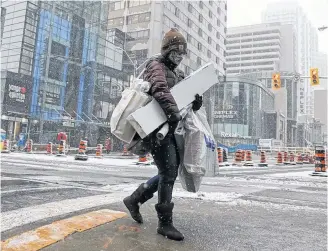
[[155, 75]]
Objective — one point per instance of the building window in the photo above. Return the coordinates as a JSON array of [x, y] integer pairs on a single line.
[[188, 53], [115, 5], [189, 23], [209, 40], [199, 46], [218, 10], [200, 18], [217, 47], [177, 12], [201, 5], [217, 60], [225, 6], [210, 27], [218, 23], [115, 22], [188, 37], [217, 35], [200, 32], [225, 18], [190, 8], [138, 2], [225, 29], [210, 14], [138, 18], [209, 54], [211, 2], [199, 61]]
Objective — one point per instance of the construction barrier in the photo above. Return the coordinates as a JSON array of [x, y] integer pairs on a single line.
[[225, 157], [306, 159], [238, 156], [99, 151], [249, 160], [62, 148], [299, 159], [263, 160], [6, 146], [82, 151], [29, 146], [292, 158], [242, 155], [279, 158], [49, 148], [320, 167], [125, 150], [145, 160], [220, 156], [286, 162]]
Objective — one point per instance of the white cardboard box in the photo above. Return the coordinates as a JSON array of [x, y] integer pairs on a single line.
[[146, 119]]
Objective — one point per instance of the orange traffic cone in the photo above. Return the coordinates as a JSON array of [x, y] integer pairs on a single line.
[[263, 160], [320, 167], [299, 159], [6, 146], [62, 149], [49, 148], [237, 161], [82, 154], [286, 162], [99, 151], [292, 159], [249, 161], [279, 158]]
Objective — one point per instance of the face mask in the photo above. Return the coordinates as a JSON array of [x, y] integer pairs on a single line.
[[175, 57]]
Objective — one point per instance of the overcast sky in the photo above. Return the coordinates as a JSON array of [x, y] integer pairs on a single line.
[[245, 12]]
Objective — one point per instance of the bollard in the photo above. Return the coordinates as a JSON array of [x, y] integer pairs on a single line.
[[286, 162], [299, 159], [263, 160], [225, 157], [49, 148], [220, 156], [279, 158], [29, 146], [99, 151], [320, 166], [249, 161], [61, 149], [6, 146], [292, 158], [82, 151]]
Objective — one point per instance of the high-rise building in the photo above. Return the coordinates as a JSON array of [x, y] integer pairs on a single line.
[[61, 68], [307, 43], [203, 23], [260, 47]]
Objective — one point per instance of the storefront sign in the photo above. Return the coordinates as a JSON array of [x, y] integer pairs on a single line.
[[225, 114], [17, 93], [302, 98], [51, 98], [233, 135], [265, 142]]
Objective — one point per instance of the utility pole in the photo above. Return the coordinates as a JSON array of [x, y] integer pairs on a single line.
[[44, 89]]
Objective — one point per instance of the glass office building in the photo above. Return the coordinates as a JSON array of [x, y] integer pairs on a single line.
[[240, 108]]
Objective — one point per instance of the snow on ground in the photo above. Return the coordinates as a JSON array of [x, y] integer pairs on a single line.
[[207, 196], [296, 174]]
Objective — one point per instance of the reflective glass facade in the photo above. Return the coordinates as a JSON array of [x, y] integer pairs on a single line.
[[239, 111]]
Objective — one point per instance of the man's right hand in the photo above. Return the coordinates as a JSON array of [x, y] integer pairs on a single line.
[[173, 121]]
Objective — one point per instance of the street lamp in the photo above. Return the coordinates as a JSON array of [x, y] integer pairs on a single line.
[[322, 28]]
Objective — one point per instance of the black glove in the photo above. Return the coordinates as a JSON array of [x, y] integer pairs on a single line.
[[197, 103]]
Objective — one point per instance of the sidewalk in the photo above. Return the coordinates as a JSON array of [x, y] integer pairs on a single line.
[[207, 226]]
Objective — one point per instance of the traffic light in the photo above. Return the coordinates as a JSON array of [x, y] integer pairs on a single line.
[[276, 82], [314, 75]]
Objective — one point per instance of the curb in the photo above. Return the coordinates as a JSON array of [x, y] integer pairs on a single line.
[[49, 234]]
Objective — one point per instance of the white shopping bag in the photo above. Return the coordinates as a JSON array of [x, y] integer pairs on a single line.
[[197, 149], [132, 99]]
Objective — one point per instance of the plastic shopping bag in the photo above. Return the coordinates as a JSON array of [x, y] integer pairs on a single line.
[[197, 149], [132, 99]]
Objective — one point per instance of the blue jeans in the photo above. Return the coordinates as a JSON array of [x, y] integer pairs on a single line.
[[153, 184]]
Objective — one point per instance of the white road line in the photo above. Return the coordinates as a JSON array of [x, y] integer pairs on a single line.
[[22, 216], [34, 189]]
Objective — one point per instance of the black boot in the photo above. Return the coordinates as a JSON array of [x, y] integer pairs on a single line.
[[165, 226], [132, 202]]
